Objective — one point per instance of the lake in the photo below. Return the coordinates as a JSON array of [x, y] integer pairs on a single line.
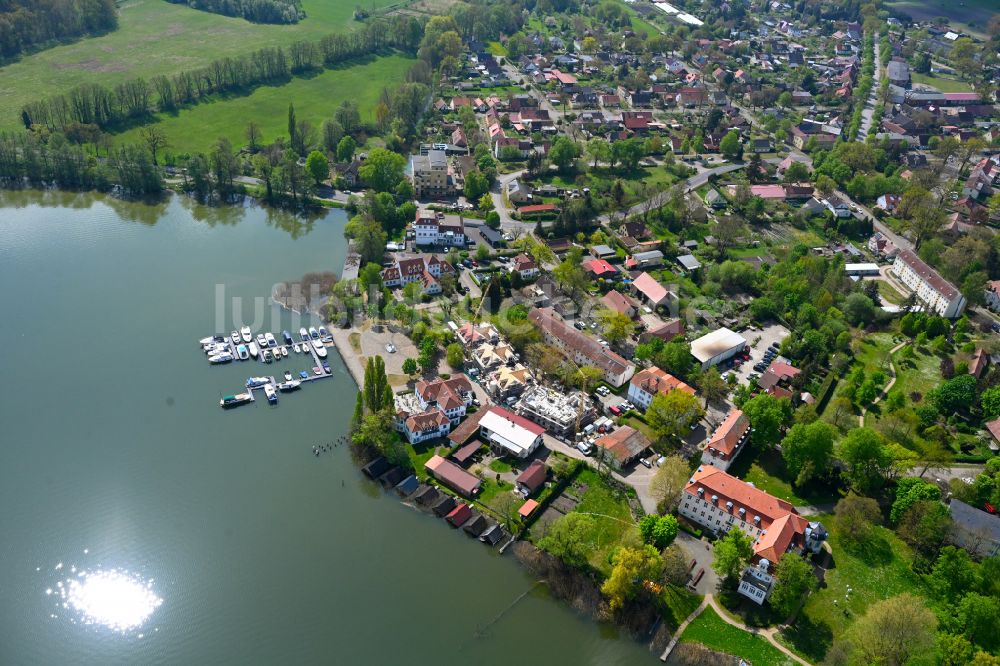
[[141, 524]]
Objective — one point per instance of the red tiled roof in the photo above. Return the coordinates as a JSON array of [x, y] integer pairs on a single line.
[[452, 475], [616, 301], [599, 267], [929, 275], [727, 436], [654, 380], [534, 476], [776, 373], [537, 208], [624, 444], [527, 508], [647, 285]]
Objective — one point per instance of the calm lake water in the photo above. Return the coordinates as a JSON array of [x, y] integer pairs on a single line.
[[141, 524]]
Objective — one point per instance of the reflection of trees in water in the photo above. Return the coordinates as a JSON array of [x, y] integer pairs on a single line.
[[145, 211], [295, 224], [225, 214]]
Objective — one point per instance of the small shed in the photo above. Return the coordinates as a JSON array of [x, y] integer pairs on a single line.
[[527, 508], [407, 486], [459, 515], [426, 496], [467, 452], [445, 506], [492, 535], [475, 525], [391, 478], [376, 468]]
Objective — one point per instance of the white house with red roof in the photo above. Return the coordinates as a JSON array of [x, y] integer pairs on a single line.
[[427, 271], [652, 291], [524, 265], [431, 228], [727, 441], [719, 502], [647, 383]]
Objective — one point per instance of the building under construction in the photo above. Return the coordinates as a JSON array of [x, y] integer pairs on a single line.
[[559, 413]]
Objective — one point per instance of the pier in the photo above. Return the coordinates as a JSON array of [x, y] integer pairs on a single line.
[[308, 350]]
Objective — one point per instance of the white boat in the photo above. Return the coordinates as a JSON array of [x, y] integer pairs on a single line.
[[246, 334], [212, 350], [290, 385], [211, 340], [320, 348], [235, 337], [313, 333], [296, 348], [257, 382], [303, 333], [272, 395], [271, 342], [288, 376], [323, 332], [261, 341], [224, 357], [242, 351], [284, 352], [252, 348]]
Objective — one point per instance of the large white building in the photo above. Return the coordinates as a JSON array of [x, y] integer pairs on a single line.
[[506, 432], [433, 408], [430, 228], [583, 349], [932, 290], [719, 502], [717, 346]]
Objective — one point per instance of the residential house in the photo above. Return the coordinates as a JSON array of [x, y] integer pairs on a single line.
[[932, 290], [430, 228], [472, 335], [508, 381], [719, 502], [508, 433], [778, 376], [647, 383], [517, 192], [622, 447], [837, 206], [489, 356], [532, 478], [650, 290], [582, 348], [427, 271], [525, 266], [600, 268], [881, 246], [614, 300], [430, 175], [727, 441]]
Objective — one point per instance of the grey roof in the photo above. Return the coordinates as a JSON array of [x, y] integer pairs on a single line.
[[971, 518], [689, 262], [603, 249], [898, 70], [647, 256]]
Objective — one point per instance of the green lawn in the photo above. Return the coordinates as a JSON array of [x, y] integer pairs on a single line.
[[712, 632], [611, 514], [878, 571], [157, 37], [496, 48], [196, 128], [941, 83], [500, 466], [767, 472]]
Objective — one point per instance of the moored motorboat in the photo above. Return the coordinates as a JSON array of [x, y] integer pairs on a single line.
[[284, 352], [242, 351], [290, 385], [257, 382], [246, 334], [323, 332], [235, 337], [288, 375], [303, 333], [320, 348], [272, 395], [317, 370], [271, 342], [252, 348], [212, 339], [236, 400], [287, 337], [296, 348], [266, 355], [224, 357], [313, 333], [261, 341]]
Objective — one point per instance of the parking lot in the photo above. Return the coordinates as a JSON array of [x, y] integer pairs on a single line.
[[759, 341]]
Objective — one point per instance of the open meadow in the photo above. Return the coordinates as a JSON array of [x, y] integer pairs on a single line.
[[157, 37], [196, 128]]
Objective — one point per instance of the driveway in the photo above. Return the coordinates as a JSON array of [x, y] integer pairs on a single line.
[[700, 551]]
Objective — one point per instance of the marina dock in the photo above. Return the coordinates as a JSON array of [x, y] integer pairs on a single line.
[[308, 351]]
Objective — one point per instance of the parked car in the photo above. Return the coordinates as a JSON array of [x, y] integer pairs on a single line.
[[646, 463], [391, 348], [615, 409], [585, 448]]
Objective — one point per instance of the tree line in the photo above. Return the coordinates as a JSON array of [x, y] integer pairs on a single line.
[[255, 11], [27, 24], [27, 159], [135, 100]]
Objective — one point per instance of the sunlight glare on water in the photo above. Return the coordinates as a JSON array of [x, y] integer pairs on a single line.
[[112, 598]]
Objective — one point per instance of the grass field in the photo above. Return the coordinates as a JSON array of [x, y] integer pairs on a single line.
[[970, 14], [880, 571], [195, 129], [611, 514], [158, 37], [941, 83], [709, 630]]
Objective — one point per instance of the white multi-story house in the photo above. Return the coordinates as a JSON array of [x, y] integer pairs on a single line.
[[524, 265], [645, 384], [433, 408], [584, 350], [430, 228], [727, 441], [417, 269], [719, 502], [932, 290]]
